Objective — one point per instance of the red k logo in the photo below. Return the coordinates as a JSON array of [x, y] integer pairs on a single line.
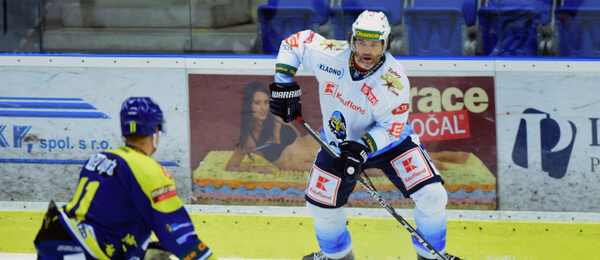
[[330, 88], [408, 164], [322, 180], [323, 186]]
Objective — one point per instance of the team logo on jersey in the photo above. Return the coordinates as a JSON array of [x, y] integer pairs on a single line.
[[412, 168], [163, 193], [332, 45], [392, 83], [330, 88], [397, 129], [367, 91], [323, 186], [401, 109], [337, 125]]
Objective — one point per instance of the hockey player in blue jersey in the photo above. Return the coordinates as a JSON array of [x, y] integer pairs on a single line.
[[364, 95], [123, 196]]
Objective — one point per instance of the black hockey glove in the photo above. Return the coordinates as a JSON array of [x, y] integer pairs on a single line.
[[285, 101], [353, 155]]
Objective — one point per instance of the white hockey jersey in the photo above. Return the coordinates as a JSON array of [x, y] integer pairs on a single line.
[[370, 109]]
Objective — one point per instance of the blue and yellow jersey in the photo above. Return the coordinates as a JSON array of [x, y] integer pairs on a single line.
[[123, 195]]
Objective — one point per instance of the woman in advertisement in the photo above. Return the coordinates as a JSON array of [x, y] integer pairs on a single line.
[[264, 135]]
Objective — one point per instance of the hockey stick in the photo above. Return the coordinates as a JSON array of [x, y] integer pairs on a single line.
[[374, 193]]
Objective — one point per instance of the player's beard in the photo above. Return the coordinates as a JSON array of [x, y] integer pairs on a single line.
[[367, 61]]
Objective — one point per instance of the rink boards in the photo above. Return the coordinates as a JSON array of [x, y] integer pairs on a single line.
[[541, 136], [532, 127], [287, 232]]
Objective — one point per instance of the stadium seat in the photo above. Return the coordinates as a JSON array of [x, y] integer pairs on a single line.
[[509, 27], [578, 23], [342, 18], [282, 18], [435, 27]]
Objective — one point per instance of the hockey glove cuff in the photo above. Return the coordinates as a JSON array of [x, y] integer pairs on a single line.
[[285, 101]]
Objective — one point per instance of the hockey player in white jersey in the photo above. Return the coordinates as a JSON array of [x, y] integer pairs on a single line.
[[364, 95]]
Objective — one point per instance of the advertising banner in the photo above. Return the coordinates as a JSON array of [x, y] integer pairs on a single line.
[[52, 119], [549, 157], [241, 154], [504, 134]]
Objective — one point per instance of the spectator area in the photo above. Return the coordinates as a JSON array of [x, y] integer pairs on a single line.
[[510, 28]]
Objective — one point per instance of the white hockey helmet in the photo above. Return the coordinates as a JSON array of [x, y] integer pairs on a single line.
[[371, 25]]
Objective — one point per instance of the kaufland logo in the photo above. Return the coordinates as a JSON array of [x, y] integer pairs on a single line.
[[544, 143], [408, 166], [321, 183], [330, 88]]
